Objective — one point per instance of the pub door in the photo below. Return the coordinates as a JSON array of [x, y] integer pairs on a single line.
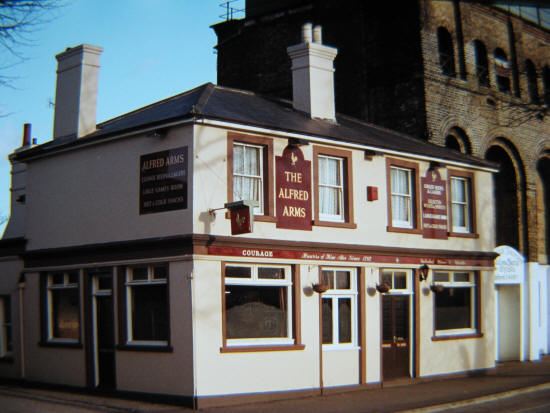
[[395, 336], [103, 334]]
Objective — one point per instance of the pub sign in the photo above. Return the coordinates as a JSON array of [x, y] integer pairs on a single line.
[[434, 206], [163, 181], [293, 190]]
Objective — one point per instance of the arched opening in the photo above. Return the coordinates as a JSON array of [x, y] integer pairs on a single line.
[[458, 140], [543, 168], [546, 84], [502, 70], [531, 73], [505, 186], [482, 63], [446, 51]]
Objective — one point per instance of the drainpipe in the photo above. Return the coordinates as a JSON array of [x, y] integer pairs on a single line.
[[22, 283]]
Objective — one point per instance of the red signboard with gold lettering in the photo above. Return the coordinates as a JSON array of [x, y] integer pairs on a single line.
[[293, 190], [434, 206]]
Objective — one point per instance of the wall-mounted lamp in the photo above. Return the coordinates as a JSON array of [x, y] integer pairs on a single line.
[[423, 272]]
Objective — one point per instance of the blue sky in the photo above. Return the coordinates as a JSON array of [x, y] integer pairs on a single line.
[[153, 49]]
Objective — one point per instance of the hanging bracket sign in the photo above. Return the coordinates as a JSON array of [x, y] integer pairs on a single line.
[[242, 216], [434, 206], [293, 190]]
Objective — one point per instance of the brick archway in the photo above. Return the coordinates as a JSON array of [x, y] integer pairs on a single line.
[[543, 205], [510, 196]]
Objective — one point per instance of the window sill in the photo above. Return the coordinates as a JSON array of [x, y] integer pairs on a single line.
[[404, 230], [463, 235], [145, 347], [252, 349], [60, 344], [350, 225], [457, 337]]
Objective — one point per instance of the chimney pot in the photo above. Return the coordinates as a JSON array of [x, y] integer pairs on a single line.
[[306, 33], [26, 134], [318, 34]]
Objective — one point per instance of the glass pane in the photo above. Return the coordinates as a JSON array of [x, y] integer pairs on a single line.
[[104, 283], [387, 278], [453, 309], [149, 312], [271, 273], [238, 272], [73, 277], [139, 274], [256, 312], [327, 320], [160, 272], [343, 281], [344, 320], [461, 277], [400, 280], [65, 313], [441, 276], [459, 215], [57, 278], [458, 190], [327, 277], [238, 159]]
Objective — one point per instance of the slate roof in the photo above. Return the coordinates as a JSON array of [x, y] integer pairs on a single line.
[[209, 101]]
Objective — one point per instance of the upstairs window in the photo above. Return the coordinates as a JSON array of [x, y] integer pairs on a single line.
[[250, 163], [446, 52], [462, 208], [333, 202], [403, 208], [482, 63], [532, 86], [502, 70]]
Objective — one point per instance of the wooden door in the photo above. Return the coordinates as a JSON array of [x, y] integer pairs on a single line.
[[395, 336]]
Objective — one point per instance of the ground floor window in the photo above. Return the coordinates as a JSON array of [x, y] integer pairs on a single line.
[[257, 304], [6, 343], [339, 307], [456, 303], [147, 304], [61, 306]]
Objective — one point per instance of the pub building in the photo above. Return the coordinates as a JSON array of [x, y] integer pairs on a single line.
[[218, 247]]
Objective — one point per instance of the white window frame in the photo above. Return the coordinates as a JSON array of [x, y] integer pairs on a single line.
[[464, 205], [451, 283], [66, 284], [408, 281], [5, 326], [130, 282], [338, 188], [259, 210], [334, 295], [408, 197], [255, 281]]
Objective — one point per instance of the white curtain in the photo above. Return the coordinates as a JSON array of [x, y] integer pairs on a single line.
[[330, 186], [247, 177], [401, 195]]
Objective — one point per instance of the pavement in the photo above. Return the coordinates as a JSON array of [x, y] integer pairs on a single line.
[[425, 395]]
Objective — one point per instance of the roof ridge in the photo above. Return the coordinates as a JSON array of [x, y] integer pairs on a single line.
[[159, 102]]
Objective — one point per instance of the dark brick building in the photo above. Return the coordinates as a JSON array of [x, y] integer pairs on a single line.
[[465, 75]]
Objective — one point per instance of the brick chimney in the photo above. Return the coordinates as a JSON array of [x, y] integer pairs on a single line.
[[313, 75], [76, 91]]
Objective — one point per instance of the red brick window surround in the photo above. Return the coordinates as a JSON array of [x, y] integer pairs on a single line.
[[461, 199], [333, 187], [403, 196], [249, 172]]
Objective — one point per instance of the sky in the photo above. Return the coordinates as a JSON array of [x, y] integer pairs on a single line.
[[152, 49]]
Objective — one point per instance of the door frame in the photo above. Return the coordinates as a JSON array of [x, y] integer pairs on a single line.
[[90, 316], [411, 293]]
